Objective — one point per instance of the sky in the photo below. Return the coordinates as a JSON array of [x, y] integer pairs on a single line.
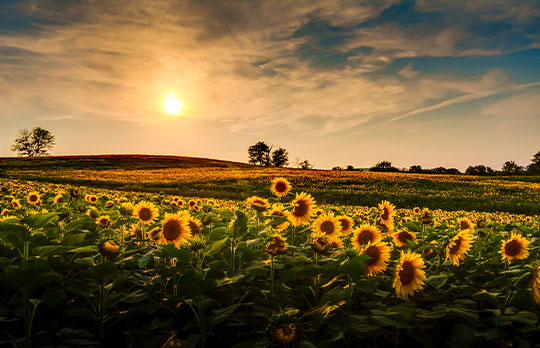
[[428, 82]]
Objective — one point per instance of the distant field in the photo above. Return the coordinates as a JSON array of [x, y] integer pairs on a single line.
[[221, 179]]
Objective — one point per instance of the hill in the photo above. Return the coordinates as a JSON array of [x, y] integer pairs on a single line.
[[201, 177]]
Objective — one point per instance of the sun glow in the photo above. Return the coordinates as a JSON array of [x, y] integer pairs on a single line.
[[172, 105]]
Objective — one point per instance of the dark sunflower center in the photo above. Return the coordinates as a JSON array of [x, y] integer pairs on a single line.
[[145, 214], [404, 236], [512, 248], [406, 275], [385, 214], [463, 225], [280, 187], [327, 227], [374, 253], [344, 224], [171, 230], [33, 198], [455, 248], [365, 236], [194, 228], [301, 208]]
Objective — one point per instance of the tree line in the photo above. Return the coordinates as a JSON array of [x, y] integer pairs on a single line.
[[509, 168]]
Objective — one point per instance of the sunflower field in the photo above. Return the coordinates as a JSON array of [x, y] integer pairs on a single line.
[[87, 267]]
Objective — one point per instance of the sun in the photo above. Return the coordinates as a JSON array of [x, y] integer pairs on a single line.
[[172, 105]]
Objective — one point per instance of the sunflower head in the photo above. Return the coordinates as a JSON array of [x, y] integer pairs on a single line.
[[194, 226], [458, 246], [276, 244], [346, 223], [365, 234], [109, 204], [155, 234], [301, 209], [258, 203], [197, 243], [416, 210], [327, 224], [103, 221], [386, 212], [278, 210], [33, 198], [280, 187], [92, 212], [402, 237], [59, 199], [5, 212], [465, 224], [175, 230], [137, 231], [285, 334], [379, 255], [74, 192], [410, 275], [15, 204], [515, 248], [535, 282], [146, 212], [109, 249], [427, 217], [126, 209]]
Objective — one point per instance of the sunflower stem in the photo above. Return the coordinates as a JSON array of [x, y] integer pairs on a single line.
[[201, 302], [316, 281], [292, 243], [349, 309], [272, 275]]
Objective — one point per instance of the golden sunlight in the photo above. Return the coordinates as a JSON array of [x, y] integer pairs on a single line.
[[172, 105]]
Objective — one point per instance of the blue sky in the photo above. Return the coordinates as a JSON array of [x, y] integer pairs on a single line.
[[435, 83]]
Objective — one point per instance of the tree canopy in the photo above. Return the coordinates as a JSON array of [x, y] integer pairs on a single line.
[[33, 143]]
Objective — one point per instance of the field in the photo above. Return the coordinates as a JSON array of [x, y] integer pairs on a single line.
[[231, 180], [177, 252]]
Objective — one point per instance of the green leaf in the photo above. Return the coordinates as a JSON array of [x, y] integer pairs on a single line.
[[214, 247], [53, 298], [181, 255], [438, 281], [39, 220], [145, 259], [355, 267], [51, 250], [103, 272]]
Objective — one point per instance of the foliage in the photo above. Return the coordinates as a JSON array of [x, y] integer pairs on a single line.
[[304, 164], [33, 143], [280, 157], [534, 167], [512, 168], [384, 166], [260, 154], [480, 169]]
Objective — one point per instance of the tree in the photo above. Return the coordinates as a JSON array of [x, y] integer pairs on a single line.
[[511, 168], [534, 167], [303, 164], [280, 157], [33, 143], [384, 166], [479, 170], [260, 154], [415, 169]]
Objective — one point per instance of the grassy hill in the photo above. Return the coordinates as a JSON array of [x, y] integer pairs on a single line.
[[201, 177]]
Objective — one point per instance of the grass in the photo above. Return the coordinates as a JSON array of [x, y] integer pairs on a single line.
[[233, 180]]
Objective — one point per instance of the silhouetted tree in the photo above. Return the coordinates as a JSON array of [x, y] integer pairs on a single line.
[[479, 170], [534, 167], [512, 168], [303, 164], [384, 166], [349, 167], [415, 169], [260, 154], [337, 168], [280, 157], [33, 143]]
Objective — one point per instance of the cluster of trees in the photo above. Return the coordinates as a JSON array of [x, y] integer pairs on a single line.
[[509, 168], [262, 154]]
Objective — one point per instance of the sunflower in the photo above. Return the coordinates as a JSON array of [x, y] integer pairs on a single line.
[[33, 198], [346, 224], [427, 217], [15, 203], [194, 225], [126, 209], [458, 246], [155, 234], [327, 224], [92, 212], [137, 231], [192, 203], [109, 204], [280, 187], [386, 212], [59, 199], [5, 212], [465, 224], [278, 211], [103, 221], [401, 237], [301, 209], [258, 203], [91, 199], [409, 274], [416, 210], [365, 234], [515, 248], [535, 284], [285, 334], [74, 193], [109, 248], [146, 212], [379, 255], [276, 244], [175, 229]]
